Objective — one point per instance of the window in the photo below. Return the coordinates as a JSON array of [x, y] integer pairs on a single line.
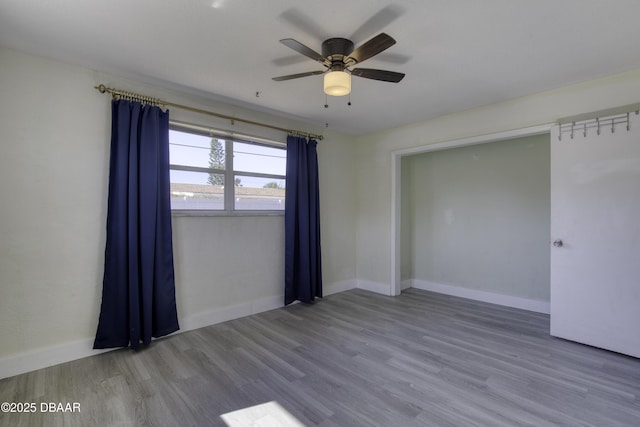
[[211, 172]]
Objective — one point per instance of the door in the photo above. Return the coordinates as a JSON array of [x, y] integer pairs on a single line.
[[595, 235]]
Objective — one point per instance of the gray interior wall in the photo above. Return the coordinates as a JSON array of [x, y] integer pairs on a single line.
[[478, 217]]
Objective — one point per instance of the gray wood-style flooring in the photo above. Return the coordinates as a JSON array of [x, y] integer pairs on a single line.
[[351, 359]]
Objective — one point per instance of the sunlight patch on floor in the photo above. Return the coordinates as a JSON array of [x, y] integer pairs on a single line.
[[269, 414]]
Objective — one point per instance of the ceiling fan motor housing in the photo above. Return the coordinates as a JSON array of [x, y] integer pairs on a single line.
[[336, 48]]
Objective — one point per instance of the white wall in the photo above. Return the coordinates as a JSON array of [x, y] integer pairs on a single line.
[[54, 136], [478, 217], [374, 154]]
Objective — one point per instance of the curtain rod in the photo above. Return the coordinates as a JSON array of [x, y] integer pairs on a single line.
[[149, 100]]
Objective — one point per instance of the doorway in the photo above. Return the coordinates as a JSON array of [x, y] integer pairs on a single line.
[[446, 215]]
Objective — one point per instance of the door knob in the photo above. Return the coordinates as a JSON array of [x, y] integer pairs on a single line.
[[558, 243]]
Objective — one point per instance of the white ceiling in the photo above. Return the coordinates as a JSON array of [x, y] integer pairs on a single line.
[[457, 54]]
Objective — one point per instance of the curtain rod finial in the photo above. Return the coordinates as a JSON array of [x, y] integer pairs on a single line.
[[101, 88]]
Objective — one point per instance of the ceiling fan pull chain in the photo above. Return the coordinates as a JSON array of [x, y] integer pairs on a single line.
[[326, 102]]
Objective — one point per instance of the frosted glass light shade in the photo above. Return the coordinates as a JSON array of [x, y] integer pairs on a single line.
[[337, 83]]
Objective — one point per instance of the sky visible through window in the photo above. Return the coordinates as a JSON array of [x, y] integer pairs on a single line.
[[193, 150]]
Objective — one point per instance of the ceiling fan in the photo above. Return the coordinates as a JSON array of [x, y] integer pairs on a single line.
[[338, 56]]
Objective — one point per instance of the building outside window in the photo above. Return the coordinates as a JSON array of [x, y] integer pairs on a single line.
[[218, 173]]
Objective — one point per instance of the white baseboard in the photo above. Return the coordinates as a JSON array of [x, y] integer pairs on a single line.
[[47, 356], [537, 306], [54, 355], [405, 284], [337, 287], [223, 314], [377, 287]]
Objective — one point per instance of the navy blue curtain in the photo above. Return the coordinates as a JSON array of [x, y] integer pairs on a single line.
[[303, 262], [138, 290]]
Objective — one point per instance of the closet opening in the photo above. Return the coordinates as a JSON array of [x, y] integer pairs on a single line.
[[470, 217]]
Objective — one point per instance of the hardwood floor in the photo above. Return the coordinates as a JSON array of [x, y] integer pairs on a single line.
[[351, 359]]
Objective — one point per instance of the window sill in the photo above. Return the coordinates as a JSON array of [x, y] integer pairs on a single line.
[[206, 213]]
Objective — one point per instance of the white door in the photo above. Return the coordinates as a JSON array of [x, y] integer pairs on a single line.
[[595, 224]]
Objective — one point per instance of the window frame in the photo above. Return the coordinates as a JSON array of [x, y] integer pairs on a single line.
[[228, 172]]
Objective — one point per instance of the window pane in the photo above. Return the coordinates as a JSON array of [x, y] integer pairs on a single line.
[[193, 190], [188, 149], [253, 193], [198, 163], [259, 159]]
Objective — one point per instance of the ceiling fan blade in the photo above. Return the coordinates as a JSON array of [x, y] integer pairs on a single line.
[[371, 48], [377, 22], [382, 75], [297, 76], [393, 58], [306, 51], [289, 60], [305, 23]]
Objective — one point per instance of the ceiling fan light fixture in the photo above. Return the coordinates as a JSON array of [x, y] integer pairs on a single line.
[[337, 83]]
